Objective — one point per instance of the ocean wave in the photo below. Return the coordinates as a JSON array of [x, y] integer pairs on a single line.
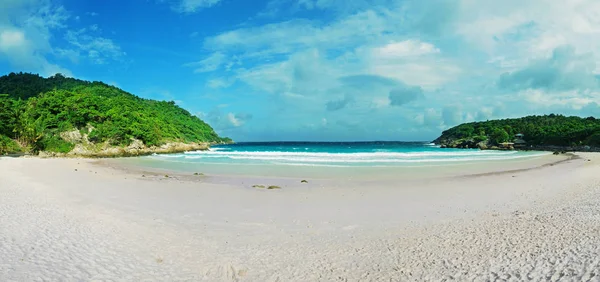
[[373, 159], [354, 155]]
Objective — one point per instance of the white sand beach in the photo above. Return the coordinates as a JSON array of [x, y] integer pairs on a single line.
[[78, 220]]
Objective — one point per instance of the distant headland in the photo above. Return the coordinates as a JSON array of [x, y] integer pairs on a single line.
[[61, 116], [548, 133]]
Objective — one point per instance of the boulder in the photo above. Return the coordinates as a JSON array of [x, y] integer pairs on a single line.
[[73, 136], [483, 145]]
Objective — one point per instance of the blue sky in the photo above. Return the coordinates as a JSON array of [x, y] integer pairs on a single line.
[[322, 69]]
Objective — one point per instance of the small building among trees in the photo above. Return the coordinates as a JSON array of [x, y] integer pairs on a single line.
[[519, 140]]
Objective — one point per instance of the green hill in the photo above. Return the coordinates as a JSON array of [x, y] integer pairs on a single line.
[[38, 112], [547, 130]]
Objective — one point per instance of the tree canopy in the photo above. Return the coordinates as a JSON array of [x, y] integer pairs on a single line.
[[36, 110], [553, 130]]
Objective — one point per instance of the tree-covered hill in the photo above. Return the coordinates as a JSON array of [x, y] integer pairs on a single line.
[[35, 112], [27, 85], [547, 130]]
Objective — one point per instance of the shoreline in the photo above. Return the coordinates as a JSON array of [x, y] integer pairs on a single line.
[[407, 172], [88, 221]]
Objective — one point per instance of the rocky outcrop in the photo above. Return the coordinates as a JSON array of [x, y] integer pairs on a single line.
[[74, 136], [472, 144], [136, 148], [462, 144], [85, 148]]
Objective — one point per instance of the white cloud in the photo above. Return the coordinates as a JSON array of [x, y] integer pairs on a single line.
[[209, 64], [299, 34], [236, 120], [472, 59], [568, 99], [192, 6], [11, 39], [223, 122], [26, 29], [428, 74], [98, 49], [219, 83], [403, 49]]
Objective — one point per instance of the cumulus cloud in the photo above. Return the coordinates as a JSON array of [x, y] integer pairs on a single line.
[[404, 95], [484, 113], [337, 104], [374, 61], [563, 70], [10, 39], [452, 115], [225, 121], [26, 28]]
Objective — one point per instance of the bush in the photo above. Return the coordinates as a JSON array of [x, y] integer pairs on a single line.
[[498, 136], [8, 146], [56, 144]]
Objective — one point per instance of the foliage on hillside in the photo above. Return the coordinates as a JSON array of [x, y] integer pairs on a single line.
[[8, 145], [26, 85], [551, 129], [36, 110]]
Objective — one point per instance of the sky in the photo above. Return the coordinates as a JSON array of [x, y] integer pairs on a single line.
[[321, 70]]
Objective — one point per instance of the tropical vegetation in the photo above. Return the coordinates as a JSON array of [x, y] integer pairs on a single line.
[[546, 130], [36, 111]]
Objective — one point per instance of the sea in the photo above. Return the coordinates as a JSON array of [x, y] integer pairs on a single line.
[[338, 154]]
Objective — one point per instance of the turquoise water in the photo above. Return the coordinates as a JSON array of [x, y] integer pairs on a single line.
[[337, 154]]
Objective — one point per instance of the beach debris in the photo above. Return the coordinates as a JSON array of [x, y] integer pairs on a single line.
[[303, 181], [242, 272], [159, 260], [143, 175], [75, 169], [198, 173], [556, 153], [271, 187], [166, 176]]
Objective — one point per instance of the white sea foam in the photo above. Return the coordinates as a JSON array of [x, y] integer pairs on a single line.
[[341, 159], [358, 155]]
